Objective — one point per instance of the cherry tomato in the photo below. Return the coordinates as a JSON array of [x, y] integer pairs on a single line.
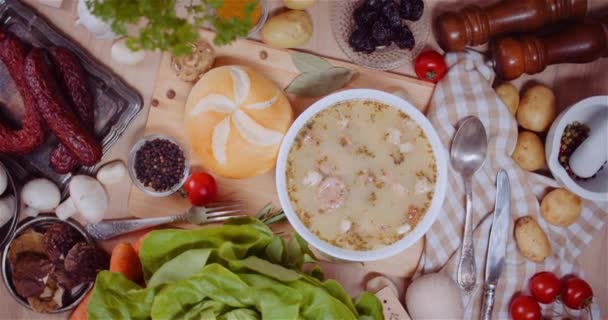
[[577, 293], [524, 307], [429, 65], [545, 287], [201, 189]]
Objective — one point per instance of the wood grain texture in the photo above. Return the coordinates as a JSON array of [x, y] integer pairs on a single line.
[[570, 83]]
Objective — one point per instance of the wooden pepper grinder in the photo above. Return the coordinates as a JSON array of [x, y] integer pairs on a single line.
[[474, 25], [580, 43]]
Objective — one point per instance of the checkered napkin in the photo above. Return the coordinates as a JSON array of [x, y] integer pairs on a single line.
[[465, 91]]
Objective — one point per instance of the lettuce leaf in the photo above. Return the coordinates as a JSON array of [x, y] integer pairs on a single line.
[[238, 271]]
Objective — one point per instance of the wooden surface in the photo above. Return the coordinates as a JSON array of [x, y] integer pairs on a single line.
[[570, 82]]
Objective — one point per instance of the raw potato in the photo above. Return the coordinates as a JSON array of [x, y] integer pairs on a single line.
[[299, 4], [531, 239], [536, 109], [561, 207], [529, 151], [509, 95], [288, 30]]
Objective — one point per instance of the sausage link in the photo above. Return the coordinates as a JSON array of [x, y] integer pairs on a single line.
[[55, 110], [32, 133], [72, 79]]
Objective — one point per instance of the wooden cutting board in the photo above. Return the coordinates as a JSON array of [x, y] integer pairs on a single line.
[[167, 118]]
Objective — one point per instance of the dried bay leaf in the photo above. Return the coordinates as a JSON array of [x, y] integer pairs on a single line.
[[306, 62], [318, 83]]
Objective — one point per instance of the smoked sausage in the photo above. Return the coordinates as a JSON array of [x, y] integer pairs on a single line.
[[72, 79], [56, 112], [32, 133]]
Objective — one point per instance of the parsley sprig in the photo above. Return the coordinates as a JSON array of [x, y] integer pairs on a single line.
[[155, 24]]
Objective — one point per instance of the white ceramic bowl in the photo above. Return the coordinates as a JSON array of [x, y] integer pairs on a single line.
[[584, 111], [440, 187]]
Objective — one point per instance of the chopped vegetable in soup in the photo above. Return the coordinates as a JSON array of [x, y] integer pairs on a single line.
[[361, 174]]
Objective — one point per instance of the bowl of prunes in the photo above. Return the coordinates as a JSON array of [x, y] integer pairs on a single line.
[[49, 264], [380, 34]]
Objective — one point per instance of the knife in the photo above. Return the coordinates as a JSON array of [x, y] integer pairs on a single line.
[[497, 246]]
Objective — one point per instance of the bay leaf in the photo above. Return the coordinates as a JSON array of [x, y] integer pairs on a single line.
[[306, 62], [319, 83]]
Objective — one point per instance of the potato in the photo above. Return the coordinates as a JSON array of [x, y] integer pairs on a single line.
[[529, 151], [509, 95], [299, 4], [561, 207], [531, 240], [537, 109], [287, 30]]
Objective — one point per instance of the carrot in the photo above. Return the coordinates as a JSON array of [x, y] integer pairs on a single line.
[[80, 313], [139, 241], [124, 259]]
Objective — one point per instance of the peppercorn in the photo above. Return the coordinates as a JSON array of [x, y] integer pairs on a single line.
[[159, 164], [574, 134]]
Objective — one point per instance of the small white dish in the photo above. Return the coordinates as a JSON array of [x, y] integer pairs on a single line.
[[440, 186], [595, 189]]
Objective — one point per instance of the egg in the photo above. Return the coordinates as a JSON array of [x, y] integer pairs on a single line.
[[441, 290]]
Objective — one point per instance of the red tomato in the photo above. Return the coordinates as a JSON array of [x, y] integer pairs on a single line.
[[577, 293], [429, 65], [201, 189], [545, 287], [524, 307]]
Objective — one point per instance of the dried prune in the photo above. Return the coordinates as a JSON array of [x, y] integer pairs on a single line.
[[391, 12], [365, 16], [411, 9], [382, 32], [404, 38], [361, 40]]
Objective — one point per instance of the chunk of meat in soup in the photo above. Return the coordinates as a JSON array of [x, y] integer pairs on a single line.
[[331, 193]]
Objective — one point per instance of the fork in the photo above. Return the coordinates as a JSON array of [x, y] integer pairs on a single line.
[[215, 212]]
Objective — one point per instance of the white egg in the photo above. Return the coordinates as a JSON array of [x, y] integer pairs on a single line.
[[444, 293]]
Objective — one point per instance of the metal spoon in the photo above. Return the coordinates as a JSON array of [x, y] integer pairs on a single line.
[[467, 154]]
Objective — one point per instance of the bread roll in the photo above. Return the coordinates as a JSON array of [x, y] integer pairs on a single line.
[[235, 119]]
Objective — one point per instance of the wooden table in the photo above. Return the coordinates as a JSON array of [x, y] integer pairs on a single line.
[[570, 83]]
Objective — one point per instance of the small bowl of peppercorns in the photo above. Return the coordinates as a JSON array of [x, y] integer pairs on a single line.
[[158, 165]]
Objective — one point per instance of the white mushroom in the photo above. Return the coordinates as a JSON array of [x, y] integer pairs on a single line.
[[312, 178], [66, 209], [345, 225], [393, 136], [7, 208], [406, 147], [112, 173], [422, 185], [40, 195], [404, 229], [30, 212], [89, 198], [3, 180]]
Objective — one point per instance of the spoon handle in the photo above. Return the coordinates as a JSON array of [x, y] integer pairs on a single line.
[[466, 265]]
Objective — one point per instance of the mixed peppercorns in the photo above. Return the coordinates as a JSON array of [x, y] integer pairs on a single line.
[[574, 134], [160, 164]]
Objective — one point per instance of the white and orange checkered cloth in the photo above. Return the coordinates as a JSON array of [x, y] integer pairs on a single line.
[[467, 90]]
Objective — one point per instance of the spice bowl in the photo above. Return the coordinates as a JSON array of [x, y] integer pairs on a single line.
[[162, 172], [584, 112], [71, 298]]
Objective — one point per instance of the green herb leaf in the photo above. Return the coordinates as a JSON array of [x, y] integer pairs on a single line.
[[306, 62], [314, 84]]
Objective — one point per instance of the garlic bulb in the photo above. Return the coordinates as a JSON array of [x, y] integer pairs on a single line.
[[98, 27], [123, 55]]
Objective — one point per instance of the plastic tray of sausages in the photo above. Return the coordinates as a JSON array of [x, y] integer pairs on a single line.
[[116, 103]]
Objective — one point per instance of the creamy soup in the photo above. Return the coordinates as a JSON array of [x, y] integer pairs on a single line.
[[361, 174]]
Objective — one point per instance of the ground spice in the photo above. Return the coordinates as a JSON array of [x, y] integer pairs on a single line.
[[574, 134], [159, 164]]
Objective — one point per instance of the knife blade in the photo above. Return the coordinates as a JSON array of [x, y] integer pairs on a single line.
[[497, 245]]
